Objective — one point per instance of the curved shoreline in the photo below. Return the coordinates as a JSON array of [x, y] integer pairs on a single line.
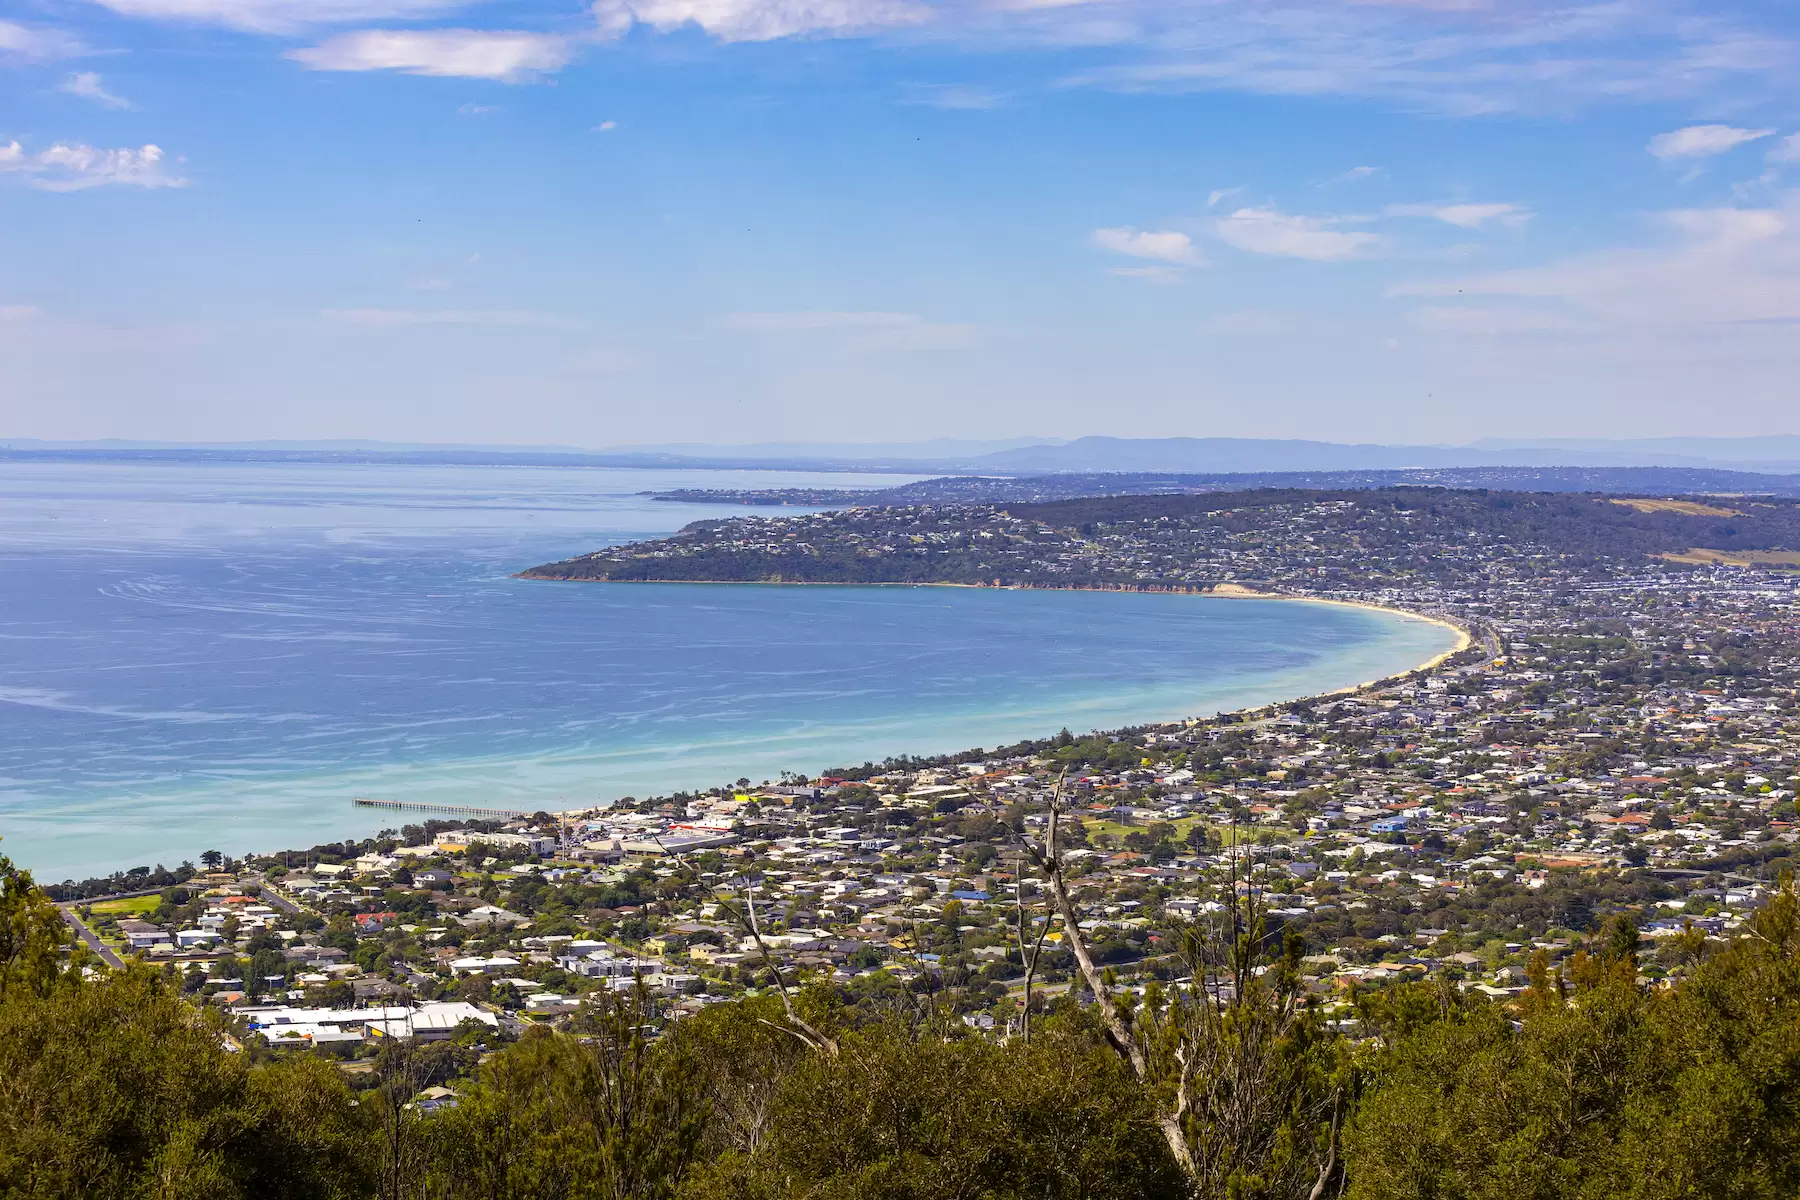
[[1183, 706], [1464, 637], [1222, 591]]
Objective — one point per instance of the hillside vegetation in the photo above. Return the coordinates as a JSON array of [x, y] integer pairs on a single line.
[[1590, 1084], [1390, 535]]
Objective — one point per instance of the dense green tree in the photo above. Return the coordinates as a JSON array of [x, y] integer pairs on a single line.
[[32, 934], [743, 1053], [120, 1089], [1604, 1088], [610, 1116], [897, 1115], [1591, 1084]]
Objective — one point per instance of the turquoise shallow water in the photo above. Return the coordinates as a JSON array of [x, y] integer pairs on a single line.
[[224, 656]]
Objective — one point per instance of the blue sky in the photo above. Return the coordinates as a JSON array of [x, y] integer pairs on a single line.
[[738, 220]]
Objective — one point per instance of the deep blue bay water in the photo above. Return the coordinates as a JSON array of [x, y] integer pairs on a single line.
[[199, 656]]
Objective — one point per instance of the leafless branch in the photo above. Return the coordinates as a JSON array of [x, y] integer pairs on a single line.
[[1028, 958], [746, 918], [1123, 1040], [1318, 1188]]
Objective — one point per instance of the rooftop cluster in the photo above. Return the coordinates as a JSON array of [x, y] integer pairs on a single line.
[[1616, 749]]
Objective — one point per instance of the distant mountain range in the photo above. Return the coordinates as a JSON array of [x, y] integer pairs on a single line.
[[1013, 489], [935, 450], [1207, 455], [1016, 456], [1779, 447]]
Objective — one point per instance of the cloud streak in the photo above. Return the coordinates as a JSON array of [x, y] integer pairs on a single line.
[[765, 20], [279, 16], [508, 56], [1717, 267], [1462, 58], [409, 318], [1702, 141], [1465, 216], [860, 330], [1457, 56], [1167, 246], [88, 86], [37, 44], [1282, 235], [74, 167]]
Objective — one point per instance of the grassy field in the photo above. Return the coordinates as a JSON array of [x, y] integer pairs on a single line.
[[1244, 833], [1739, 558], [135, 906], [1692, 508]]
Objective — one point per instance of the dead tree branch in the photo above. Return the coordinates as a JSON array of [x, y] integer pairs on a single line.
[[746, 918]]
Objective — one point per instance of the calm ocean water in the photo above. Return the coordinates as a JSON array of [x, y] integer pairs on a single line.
[[201, 656]]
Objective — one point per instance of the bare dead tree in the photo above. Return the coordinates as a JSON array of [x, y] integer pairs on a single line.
[[746, 918], [1227, 1059], [1238, 1050], [927, 1001], [1030, 949], [1330, 1165], [1050, 866], [403, 1074]]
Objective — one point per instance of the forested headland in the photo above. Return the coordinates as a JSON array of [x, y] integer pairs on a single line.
[[1358, 539]]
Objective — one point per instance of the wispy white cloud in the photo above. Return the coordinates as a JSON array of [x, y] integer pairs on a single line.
[[809, 320], [280, 16], [1465, 216], [88, 86], [961, 97], [1267, 231], [509, 56], [1167, 246], [1157, 275], [862, 330], [1702, 141], [1464, 56], [1478, 56], [764, 20], [1714, 267], [17, 312], [36, 43], [407, 318], [1787, 150], [74, 167]]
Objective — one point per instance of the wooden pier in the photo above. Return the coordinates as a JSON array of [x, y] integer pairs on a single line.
[[456, 810]]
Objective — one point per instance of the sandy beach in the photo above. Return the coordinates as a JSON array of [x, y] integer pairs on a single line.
[[1464, 639]]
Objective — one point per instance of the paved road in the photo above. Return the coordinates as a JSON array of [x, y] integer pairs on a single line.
[[87, 935], [266, 891]]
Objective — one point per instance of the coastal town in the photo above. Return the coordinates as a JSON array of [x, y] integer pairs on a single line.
[[1612, 754]]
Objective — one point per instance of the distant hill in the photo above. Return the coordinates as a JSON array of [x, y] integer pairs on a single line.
[[987, 489], [1012, 457], [1361, 538], [1782, 450], [1264, 455]]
